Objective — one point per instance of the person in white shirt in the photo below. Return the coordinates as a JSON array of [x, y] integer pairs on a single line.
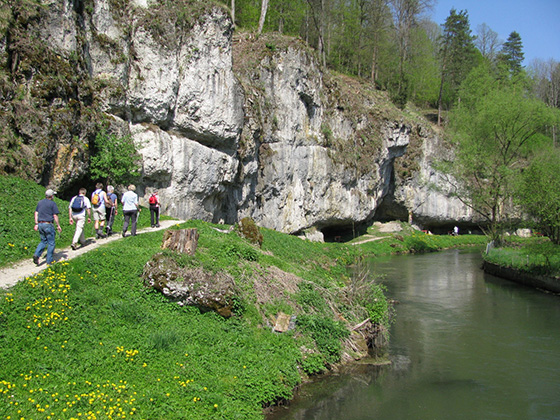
[[130, 210], [77, 209]]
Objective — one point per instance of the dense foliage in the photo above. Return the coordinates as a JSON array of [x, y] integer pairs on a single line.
[[115, 159], [539, 192], [496, 131]]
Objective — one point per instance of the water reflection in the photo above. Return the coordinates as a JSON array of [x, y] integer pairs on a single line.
[[465, 345]]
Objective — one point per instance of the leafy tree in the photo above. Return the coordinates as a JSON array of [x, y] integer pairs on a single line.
[[405, 15], [379, 21], [246, 13], [320, 11], [495, 129], [423, 68], [287, 17], [457, 53], [115, 159], [539, 192], [546, 85], [512, 53]]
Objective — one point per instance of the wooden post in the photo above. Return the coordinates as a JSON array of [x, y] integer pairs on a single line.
[[184, 240]]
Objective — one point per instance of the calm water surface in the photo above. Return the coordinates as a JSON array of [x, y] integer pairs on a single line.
[[464, 345]]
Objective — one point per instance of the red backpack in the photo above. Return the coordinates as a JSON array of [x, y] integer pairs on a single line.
[[153, 200]]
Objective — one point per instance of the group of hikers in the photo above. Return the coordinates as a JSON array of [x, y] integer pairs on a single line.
[[102, 205]]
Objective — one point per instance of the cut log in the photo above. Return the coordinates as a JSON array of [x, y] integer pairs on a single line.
[[184, 240]]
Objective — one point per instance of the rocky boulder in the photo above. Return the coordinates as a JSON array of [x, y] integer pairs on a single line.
[[190, 286]]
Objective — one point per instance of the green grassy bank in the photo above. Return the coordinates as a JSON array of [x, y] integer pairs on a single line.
[[535, 255], [85, 339]]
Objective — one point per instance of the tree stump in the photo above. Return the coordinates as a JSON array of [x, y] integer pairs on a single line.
[[184, 240]]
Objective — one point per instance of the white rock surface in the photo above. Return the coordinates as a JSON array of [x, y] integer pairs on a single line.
[[219, 150]]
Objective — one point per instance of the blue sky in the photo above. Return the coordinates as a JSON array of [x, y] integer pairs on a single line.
[[537, 21]]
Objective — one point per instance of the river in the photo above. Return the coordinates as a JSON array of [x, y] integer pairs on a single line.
[[463, 345]]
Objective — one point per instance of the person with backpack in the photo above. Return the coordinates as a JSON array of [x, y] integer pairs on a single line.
[[154, 208], [46, 213], [112, 209], [99, 202], [77, 209], [130, 210]]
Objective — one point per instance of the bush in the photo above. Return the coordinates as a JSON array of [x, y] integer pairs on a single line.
[[377, 305], [327, 334], [249, 230], [309, 298]]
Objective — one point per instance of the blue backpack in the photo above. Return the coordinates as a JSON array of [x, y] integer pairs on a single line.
[[78, 204]]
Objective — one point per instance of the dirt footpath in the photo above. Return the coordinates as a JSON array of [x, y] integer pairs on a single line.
[[9, 276]]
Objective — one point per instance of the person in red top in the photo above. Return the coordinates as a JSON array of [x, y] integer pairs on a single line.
[[154, 208]]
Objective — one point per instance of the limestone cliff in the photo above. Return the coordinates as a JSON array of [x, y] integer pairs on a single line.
[[228, 126]]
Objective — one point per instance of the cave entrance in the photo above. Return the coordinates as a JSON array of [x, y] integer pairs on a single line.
[[343, 233], [390, 210]]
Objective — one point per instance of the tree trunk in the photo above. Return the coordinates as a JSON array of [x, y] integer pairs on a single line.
[[184, 241], [264, 8], [440, 96], [233, 11], [374, 65]]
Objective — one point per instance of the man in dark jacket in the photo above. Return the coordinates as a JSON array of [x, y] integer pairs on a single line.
[[46, 214]]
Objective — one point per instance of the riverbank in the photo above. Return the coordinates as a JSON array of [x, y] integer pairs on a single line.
[[402, 238], [534, 262], [92, 331], [547, 283]]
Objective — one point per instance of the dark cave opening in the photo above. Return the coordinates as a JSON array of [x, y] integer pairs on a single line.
[[344, 233]]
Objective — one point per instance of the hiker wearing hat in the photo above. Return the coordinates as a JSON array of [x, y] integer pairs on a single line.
[[46, 213]]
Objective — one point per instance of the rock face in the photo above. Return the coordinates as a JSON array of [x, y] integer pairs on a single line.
[[231, 127], [424, 197]]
